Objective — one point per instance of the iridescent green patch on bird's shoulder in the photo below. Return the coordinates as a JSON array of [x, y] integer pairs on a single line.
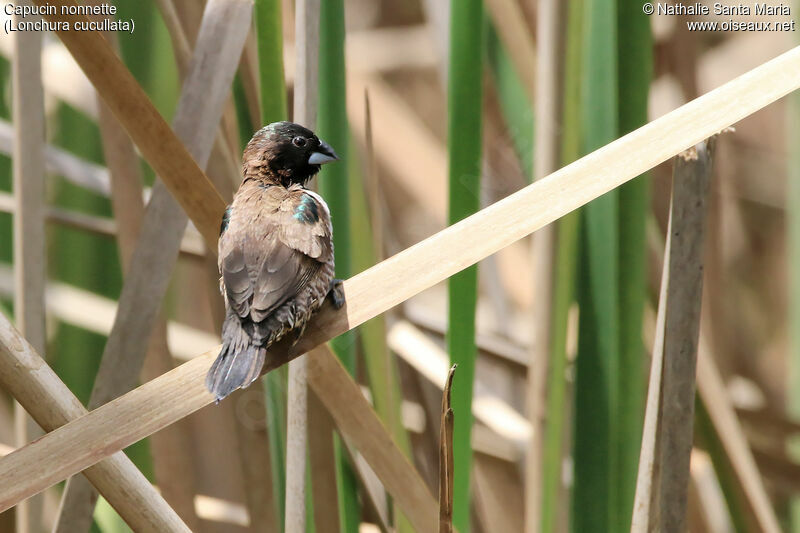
[[307, 210], [226, 219]]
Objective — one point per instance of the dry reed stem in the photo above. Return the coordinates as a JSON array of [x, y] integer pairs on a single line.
[[171, 464], [27, 377], [436, 258], [322, 461], [691, 180], [29, 236], [29, 188], [93, 224], [160, 233], [307, 58], [305, 112], [661, 496], [221, 156], [172, 447], [125, 175], [296, 446], [190, 13], [446, 458]]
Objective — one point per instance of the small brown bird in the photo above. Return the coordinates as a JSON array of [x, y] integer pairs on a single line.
[[275, 252]]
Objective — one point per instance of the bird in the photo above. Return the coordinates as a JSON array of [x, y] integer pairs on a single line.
[[275, 252]]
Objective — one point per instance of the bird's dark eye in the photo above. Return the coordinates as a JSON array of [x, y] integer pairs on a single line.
[[299, 141]]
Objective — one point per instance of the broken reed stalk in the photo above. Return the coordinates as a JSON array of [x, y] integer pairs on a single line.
[[181, 392], [29, 235], [305, 112], [662, 493], [691, 181], [446, 458], [150, 266]]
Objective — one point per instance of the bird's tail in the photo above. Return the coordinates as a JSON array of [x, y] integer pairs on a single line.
[[239, 361]]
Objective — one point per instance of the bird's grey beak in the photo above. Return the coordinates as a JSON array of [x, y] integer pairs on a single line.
[[323, 154]]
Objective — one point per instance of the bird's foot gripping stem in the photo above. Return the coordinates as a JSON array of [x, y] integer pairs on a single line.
[[336, 293]]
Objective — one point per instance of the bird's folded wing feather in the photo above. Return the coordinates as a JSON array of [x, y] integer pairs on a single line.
[[267, 258]]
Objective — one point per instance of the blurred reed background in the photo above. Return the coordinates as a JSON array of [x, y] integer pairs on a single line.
[[438, 113]]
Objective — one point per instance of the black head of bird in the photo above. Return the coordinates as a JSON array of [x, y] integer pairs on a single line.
[[285, 153]]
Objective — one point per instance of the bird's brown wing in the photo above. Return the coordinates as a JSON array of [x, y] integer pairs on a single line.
[[267, 258]]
